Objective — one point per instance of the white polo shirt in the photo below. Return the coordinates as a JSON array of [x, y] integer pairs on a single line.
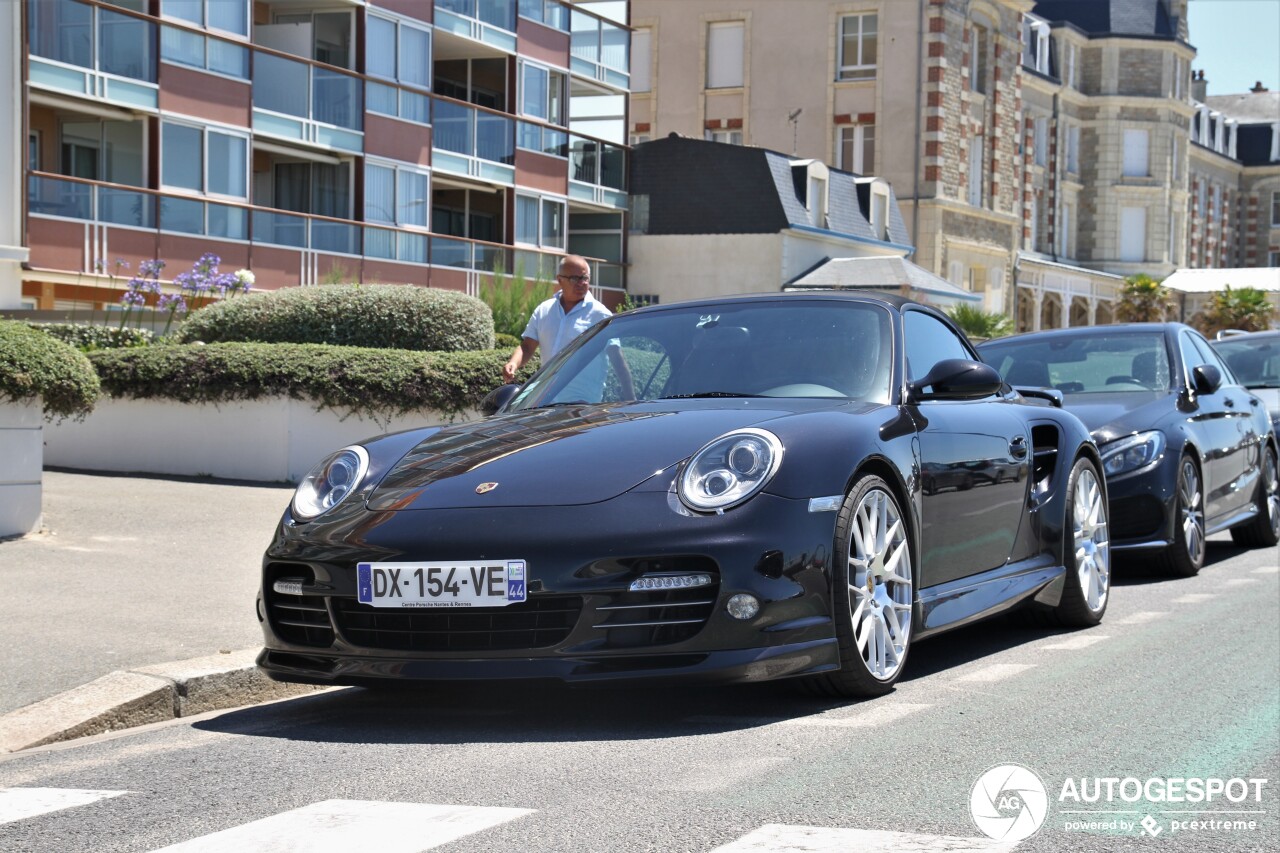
[[553, 329]]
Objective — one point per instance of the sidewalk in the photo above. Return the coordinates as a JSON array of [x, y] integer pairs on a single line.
[[130, 572]]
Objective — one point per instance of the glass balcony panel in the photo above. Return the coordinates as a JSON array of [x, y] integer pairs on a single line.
[[229, 222], [467, 8], [528, 136], [415, 107], [498, 13], [446, 252], [191, 11], [229, 58], [495, 138], [122, 207], [229, 15], [380, 243], [183, 215], [584, 37], [52, 197], [280, 85], [338, 237], [281, 229], [62, 31], [615, 47], [412, 247], [381, 99], [182, 47], [492, 258], [555, 142], [613, 167], [337, 99], [451, 128], [125, 46], [582, 160]]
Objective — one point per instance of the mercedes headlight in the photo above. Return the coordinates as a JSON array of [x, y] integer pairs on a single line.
[[1130, 454], [330, 482], [730, 469]]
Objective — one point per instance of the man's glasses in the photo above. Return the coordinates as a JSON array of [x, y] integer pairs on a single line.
[[576, 279]]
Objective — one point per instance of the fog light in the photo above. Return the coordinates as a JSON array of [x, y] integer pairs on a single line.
[[653, 582], [743, 606]]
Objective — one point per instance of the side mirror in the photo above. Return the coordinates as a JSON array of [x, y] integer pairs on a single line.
[[957, 379], [1206, 378], [497, 399]]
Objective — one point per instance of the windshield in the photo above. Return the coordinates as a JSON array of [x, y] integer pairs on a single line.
[[763, 349], [1255, 362], [1088, 364]]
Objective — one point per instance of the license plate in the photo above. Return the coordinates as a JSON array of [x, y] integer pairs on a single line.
[[488, 583]]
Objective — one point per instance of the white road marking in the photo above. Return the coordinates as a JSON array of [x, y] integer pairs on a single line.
[[875, 715], [338, 826], [1081, 642], [1241, 581], [22, 803], [781, 838], [995, 672], [1267, 570], [1140, 617], [1194, 597]]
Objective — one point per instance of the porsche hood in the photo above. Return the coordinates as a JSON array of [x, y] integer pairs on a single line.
[[557, 456]]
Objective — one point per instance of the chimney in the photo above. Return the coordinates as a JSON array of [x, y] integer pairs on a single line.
[[1258, 88], [1199, 87]]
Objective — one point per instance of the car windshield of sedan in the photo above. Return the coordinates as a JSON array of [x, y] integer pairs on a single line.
[[1087, 364], [749, 349], [1256, 363]]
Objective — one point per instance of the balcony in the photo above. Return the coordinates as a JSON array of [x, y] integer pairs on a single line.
[[472, 142], [93, 52], [490, 22], [600, 50], [307, 103], [597, 172]]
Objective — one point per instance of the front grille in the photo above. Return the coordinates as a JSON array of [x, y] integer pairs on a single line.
[[543, 620], [656, 617], [1138, 517], [299, 619]]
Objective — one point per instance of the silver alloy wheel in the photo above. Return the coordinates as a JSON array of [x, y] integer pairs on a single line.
[[1271, 487], [880, 584], [1092, 541], [1192, 512]]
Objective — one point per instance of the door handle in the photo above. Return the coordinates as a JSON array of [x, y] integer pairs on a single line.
[[1018, 447]]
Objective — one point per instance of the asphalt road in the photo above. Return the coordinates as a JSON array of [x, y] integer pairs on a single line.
[[1182, 680], [130, 572]]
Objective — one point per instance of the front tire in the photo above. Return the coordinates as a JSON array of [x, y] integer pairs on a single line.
[[873, 593], [1185, 556], [1264, 530], [1087, 550]]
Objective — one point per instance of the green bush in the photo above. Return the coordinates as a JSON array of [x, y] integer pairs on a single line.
[[375, 316], [85, 337], [501, 340], [512, 299], [377, 383], [34, 364]]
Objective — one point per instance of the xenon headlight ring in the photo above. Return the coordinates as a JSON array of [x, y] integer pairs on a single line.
[[330, 482], [730, 470]]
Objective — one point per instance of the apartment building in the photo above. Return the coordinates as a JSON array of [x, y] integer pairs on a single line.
[[1040, 150], [396, 141]]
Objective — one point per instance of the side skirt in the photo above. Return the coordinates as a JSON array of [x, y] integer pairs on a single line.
[[966, 600]]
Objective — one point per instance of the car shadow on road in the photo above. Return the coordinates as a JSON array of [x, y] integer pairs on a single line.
[[1138, 568]]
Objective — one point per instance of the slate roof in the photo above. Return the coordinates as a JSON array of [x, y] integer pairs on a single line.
[[1144, 18], [699, 187], [1247, 107], [878, 273]]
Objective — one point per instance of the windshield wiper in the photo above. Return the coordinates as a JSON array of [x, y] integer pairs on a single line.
[[703, 394]]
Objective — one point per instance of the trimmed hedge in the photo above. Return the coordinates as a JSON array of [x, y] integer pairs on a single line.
[[374, 316], [501, 340], [85, 337], [378, 383], [34, 364]]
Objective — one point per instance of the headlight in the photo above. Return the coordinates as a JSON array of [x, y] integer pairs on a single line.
[[330, 482], [1130, 454], [730, 469]]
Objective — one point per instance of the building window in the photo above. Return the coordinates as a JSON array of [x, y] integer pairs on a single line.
[[641, 61], [231, 16], [856, 148], [1042, 141], [1073, 150], [398, 50], [725, 55], [816, 202], [204, 160], [1133, 234], [1273, 259], [1136, 145], [93, 37], [880, 212], [540, 221], [955, 273], [33, 151], [1202, 198], [1275, 209], [1064, 231], [639, 138], [203, 52], [397, 195], [1072, 54], [1178, 159], [1035, 43], [731, 137], [856, 47], [542, 93], [549, 12], [975, 170], [978, 58], [1179, 77]]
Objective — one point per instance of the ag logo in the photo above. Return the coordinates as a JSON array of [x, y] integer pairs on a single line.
[[1008, 803], [485, 487]]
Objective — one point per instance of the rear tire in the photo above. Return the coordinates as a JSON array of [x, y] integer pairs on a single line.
[[872, 595], [1263, 531], [1185, 556]]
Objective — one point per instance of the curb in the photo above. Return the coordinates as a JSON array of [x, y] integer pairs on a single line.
[[150, 694]]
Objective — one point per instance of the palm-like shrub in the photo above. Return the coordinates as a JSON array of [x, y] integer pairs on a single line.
[[1143, 299], [1247, 309], [979, 324]]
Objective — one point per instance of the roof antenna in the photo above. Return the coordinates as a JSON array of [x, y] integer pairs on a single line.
[[795, 125]]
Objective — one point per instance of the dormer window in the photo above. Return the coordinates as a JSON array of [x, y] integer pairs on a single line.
[[814, 177], [880, 210], [1035, 43]]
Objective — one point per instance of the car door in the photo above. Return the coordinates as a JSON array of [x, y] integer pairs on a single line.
[[1230, 442], [973, 456]]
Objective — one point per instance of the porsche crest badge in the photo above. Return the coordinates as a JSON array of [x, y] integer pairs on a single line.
[[485, 487]]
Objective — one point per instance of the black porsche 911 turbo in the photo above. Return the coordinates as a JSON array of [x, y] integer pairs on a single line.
[[1186, 450], [724, 490]]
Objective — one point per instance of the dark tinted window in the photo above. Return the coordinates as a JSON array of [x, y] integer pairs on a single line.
[[1254, 360], [1085, 364], [928, 341]]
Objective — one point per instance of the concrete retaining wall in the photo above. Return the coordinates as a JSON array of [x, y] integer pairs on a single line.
[[267, 440], [20, 466]]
